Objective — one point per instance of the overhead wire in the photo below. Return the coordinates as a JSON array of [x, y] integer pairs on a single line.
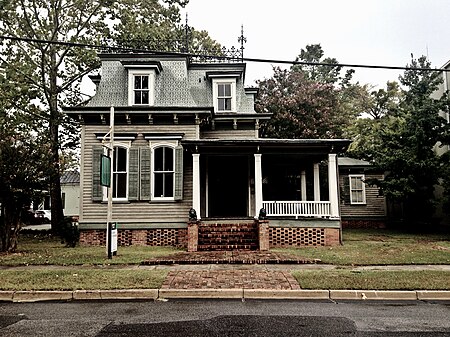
[[247, 59]]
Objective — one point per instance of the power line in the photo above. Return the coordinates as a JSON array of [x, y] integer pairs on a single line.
[[247, 59]]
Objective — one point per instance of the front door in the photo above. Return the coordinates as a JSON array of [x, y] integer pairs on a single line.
[[227, 186]]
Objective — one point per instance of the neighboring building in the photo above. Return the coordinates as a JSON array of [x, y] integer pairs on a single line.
[[362, 204], [440, 213], [70, 193], [187, 136]]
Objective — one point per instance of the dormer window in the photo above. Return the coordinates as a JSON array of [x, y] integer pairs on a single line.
[[141, 84], [224, 93], [224, 97], [141, 89]]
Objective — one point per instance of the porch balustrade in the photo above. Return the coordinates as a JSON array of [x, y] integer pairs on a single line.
[[298, 208]]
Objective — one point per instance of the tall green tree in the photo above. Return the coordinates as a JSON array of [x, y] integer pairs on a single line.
[[407, 149], [380, 111], [310, 101], [23, 154], [54, 71]]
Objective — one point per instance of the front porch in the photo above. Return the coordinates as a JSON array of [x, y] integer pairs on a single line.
[[292, 183]]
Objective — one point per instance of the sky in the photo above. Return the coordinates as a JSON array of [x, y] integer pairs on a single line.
[[372, 32]]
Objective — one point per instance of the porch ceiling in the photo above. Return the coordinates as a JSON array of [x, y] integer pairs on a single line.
[[267, 146]]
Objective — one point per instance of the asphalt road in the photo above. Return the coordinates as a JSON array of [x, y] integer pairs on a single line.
[[198, 318]]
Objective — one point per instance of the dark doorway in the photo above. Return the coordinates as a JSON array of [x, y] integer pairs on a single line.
[[228, 186]]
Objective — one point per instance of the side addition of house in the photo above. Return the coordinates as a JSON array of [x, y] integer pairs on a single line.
[[187, 139]]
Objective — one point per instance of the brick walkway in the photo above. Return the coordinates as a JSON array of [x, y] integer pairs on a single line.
[[243, 271], [230, 279], [230, 257]]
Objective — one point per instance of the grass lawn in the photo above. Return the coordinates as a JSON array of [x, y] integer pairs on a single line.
[[80, 279], [39, 250], [361, 247], [381, 247], [376, 280]]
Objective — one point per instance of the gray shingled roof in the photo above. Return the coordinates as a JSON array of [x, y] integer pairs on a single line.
[[347, 161], [70, 177]]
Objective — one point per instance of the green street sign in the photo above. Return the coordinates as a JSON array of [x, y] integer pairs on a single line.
[[105, 171]]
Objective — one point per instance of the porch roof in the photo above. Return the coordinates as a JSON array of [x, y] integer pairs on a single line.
[[268, 145]]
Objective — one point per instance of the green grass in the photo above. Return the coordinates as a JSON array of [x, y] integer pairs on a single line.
[[80, 279], [376, 280], [381, 247], [38, 250]]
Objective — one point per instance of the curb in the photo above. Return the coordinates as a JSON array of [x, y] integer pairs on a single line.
[[236, 293]]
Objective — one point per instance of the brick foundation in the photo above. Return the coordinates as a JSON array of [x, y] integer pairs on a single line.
[[268, 237], [303, 237], [364, 224], [176, 237]]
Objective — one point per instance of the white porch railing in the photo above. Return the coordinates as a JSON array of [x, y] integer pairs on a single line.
[[298, 208]]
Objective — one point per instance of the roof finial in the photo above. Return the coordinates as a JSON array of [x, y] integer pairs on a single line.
[[242, 39], [186, 35]]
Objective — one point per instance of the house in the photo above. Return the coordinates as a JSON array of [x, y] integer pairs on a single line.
[[441, 213], [70, 193], [362, 204], [186, 138]]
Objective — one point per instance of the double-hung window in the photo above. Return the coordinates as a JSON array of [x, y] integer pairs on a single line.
[[163, 172], [224, 94], [357, 189], [120, 173], [224, 97], [141, 87]]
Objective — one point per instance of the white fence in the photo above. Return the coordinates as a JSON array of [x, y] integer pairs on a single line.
[[298, 208]]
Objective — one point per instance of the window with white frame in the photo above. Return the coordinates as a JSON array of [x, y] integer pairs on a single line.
[[120, 173], [141, 87], [357, 189], [224, 92], [163, 172]]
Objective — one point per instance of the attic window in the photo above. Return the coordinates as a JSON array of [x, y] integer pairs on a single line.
[[224, 94], [141, 84]]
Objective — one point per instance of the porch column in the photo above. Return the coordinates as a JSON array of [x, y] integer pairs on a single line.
[[333, 185], [196, 183], [258, 184], [316, 182], [303, 185]]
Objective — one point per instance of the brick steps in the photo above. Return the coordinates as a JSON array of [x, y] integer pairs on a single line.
[[213, 236]]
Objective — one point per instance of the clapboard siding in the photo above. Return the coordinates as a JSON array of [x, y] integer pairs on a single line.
[[229, 134], [134, 211], [375, 206]]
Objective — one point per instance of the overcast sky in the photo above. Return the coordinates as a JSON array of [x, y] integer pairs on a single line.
[[381, 32]]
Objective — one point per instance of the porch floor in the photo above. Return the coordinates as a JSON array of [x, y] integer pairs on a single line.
[[230, 257]]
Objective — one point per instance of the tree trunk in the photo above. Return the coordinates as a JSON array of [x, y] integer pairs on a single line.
[[54, 121]]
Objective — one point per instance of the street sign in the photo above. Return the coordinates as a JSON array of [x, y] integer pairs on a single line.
[[112, 239], [105, 171]]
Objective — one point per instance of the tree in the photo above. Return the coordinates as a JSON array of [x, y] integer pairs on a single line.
[[380, 112], [407, 148], [54, 71], [309, 101], [23, 156]]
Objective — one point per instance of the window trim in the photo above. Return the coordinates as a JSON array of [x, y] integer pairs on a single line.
[[216, 82], [151, 85], [363, 189], [125, 145], [153, 147]]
